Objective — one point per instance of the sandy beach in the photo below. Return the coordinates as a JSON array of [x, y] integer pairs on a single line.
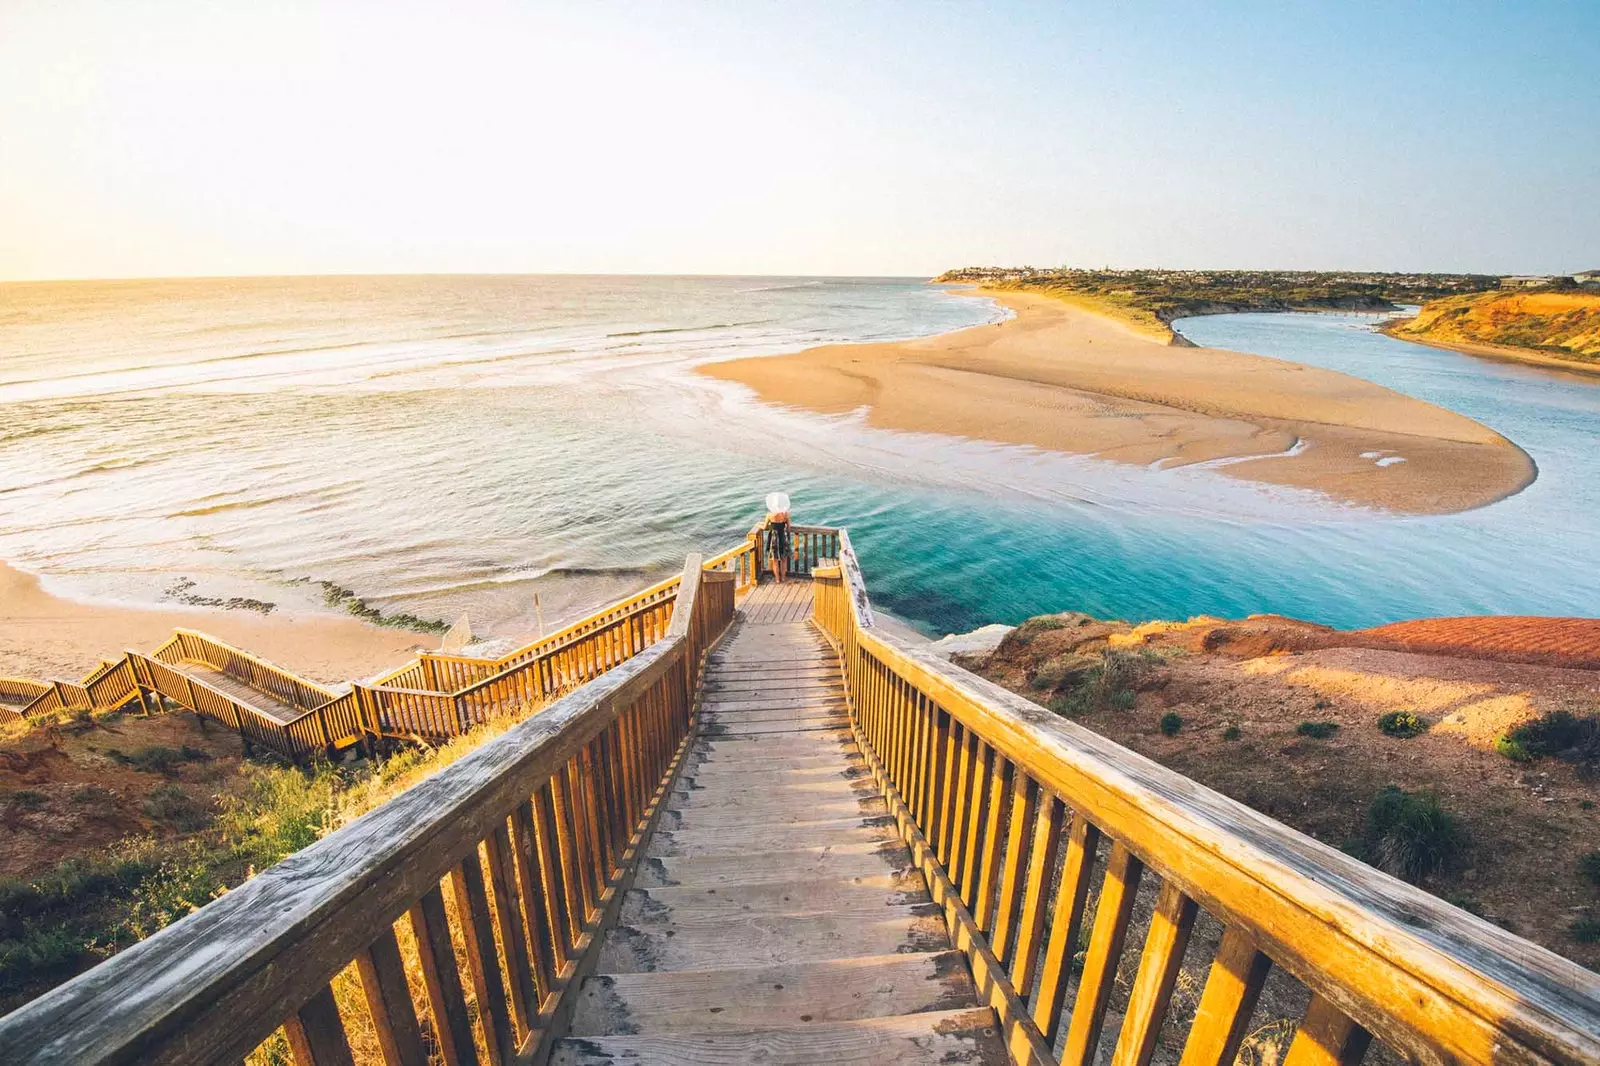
[[44, 636], [1059, 377]]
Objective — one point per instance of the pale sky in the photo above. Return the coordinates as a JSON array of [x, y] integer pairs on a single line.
[[157, 138]]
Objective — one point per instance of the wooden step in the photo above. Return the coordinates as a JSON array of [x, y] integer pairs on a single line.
[[765, 838], [806, 993], [713, 755], [737, 729], [841, 862], [776, 714], [770, 939], [954, 1038], [859, 895], [787, 810]]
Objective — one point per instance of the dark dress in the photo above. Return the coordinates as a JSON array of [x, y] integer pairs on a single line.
[[778, 541]]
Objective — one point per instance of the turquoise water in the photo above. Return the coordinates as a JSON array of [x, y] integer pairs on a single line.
[[439, 444]]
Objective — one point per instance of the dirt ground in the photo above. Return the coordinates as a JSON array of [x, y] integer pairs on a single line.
[[1241, 689], [64, 791]]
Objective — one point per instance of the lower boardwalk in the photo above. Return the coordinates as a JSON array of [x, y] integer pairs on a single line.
[[777, 917]]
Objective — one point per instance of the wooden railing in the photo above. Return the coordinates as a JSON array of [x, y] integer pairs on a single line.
[[22, 691], [187, 645], [434, 697], [528, 844], [1010, 809]]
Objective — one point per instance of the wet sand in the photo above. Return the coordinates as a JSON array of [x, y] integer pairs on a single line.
[[45, 636], [1059, 377]]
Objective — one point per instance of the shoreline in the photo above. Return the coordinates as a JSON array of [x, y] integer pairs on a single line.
[[1499, 353], [1064, 378], [45, 636]]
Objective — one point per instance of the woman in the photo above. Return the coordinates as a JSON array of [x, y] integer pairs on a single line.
[[778, 545]]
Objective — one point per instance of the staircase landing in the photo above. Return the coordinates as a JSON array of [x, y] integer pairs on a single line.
[[777, 917]]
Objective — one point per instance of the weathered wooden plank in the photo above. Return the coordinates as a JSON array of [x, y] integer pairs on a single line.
[[834, 862], [483, 964], [1072, 895], [774, 996], [769, 838], [769, 939], [955, 1038], [856, 895]]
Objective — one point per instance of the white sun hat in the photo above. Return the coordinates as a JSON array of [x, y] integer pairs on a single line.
[[778, 502]]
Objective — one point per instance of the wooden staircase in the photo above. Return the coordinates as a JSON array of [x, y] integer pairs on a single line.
[[776, 916]]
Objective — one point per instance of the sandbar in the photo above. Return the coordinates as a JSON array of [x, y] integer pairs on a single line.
[[1060, 377]]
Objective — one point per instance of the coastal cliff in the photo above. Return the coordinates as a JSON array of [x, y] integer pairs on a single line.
[[1546, 327]]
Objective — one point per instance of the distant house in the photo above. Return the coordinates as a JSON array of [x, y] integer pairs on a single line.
[[1527, 281], [1587, 277]]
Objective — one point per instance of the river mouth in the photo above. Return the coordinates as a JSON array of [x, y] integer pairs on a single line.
[[552, 440]]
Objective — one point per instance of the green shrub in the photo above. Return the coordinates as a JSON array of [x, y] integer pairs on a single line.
[[281, 811], [1106, 684], [1586, 805], [1560, 733], [1467, 903], [1589, 867], [1232, 733], [1585, 929], [1321, 704], [1410, 835], [158, 758], [170, 803], [1511, 748], [1171, 722], [26, 799], [1402, 724], [1317, 730]]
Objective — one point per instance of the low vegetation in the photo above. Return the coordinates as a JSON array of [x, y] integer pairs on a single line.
[[1322, 739], [1409, 834], [203, 835], [1561, 734], [1154, 299], [1565, 325], [1317, 730], [1403, 724]]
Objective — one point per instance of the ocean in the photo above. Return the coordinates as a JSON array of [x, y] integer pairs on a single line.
[[434, 445]]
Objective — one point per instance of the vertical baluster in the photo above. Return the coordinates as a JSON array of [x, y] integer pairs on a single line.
[[1220, 1022], [1327, 1037], [513, 937], [451, 1024], [1071, 896], [938, 784], [994, 841], [316, 1035], [1159, 964], [1111, 914], [483, 962], [538, 903], [1013, 875], [951, 774], [977, 821], [560, 880], [966, 765], [574, 842], [394, 1017]]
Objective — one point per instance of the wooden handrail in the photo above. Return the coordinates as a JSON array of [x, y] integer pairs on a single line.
[[560, 805], [1000, 799]]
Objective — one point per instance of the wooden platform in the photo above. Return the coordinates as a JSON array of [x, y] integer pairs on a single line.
[[774, 604], [777, 917], [271, 706]]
